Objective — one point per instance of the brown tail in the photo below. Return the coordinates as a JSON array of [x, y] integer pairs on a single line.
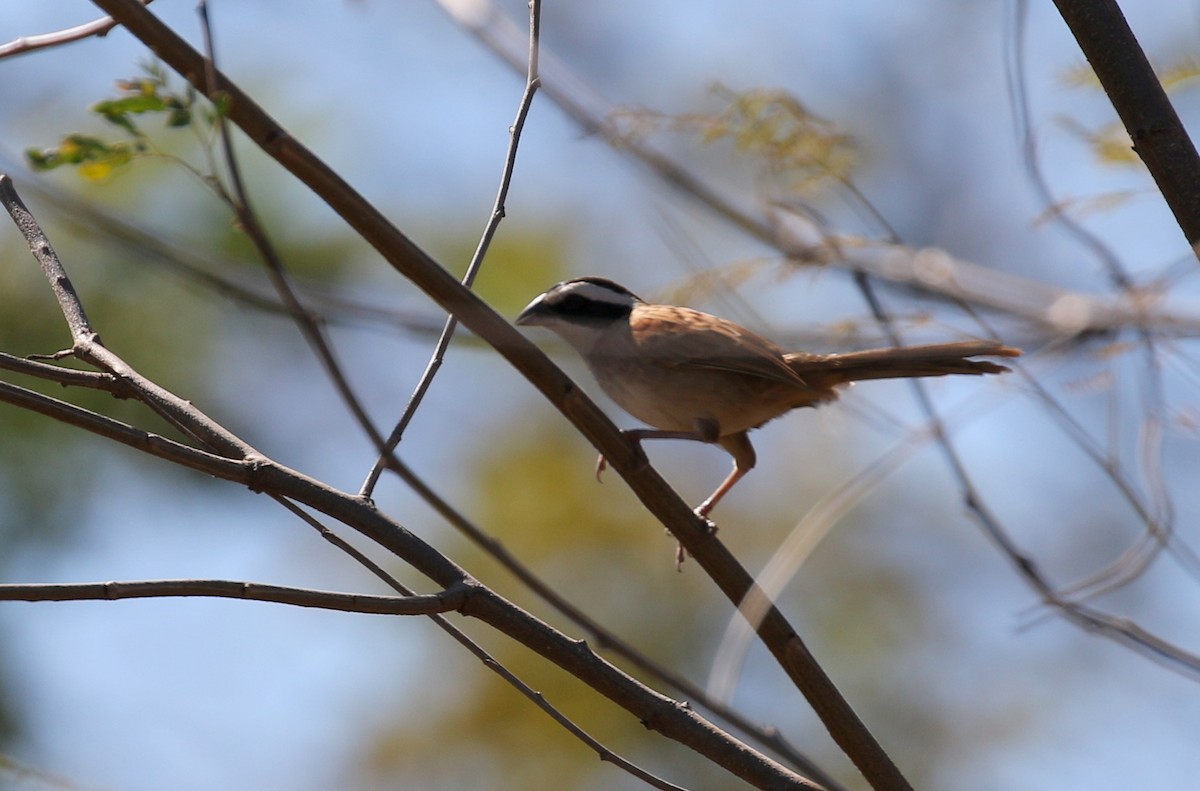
[[903, 362]]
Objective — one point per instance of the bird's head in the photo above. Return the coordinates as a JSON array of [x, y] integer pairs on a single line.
[[578, 310]]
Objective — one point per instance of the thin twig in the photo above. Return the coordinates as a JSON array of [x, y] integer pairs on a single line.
[[87, 345], [248, 220], [24, 44], [1137, 94], [448, 600], [145, 248], [67, 377], [800, 542], [532, 82], [1159, 528], [110, 428]]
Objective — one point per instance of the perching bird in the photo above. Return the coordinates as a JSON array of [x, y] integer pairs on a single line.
[[695, 376]]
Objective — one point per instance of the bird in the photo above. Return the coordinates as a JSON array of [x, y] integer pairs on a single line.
[[690, 375]]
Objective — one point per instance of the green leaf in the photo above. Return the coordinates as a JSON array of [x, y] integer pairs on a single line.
[[96, 158]]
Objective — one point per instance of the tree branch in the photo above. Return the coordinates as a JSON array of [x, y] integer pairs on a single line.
[[67, 377], [1139, 99], [87, 345], [23, 44], [448, 600], [136, 438], [532, 82]]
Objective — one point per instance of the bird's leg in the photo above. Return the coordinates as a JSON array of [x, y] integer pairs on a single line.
[[708, 431], [734, 476], [639, 434], [744, 459]]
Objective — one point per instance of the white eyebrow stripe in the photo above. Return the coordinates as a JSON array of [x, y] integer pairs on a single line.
[[595, 293]]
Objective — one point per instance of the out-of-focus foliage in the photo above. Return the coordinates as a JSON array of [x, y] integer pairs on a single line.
[[151, 95], [96, 158], [1109, 142], [798, 150]]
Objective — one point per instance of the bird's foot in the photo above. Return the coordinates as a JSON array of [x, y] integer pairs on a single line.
[[681, 554], [601, 466], [702, 512]]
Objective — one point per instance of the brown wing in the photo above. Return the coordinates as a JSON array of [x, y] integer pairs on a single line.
[[685, 338]]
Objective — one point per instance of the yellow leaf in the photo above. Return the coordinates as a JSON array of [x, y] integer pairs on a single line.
[[96, 170]]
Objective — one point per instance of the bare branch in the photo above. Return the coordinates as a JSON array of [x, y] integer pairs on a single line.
[[145, 248], [1138, 97], [1052, 310], [448, 600], [87, 345], [532, 82], [67, 377], [139, 439], [23, 44]]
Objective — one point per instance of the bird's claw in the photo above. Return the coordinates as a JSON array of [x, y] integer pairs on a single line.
[[601, 466], [702, 512], [681, 554]]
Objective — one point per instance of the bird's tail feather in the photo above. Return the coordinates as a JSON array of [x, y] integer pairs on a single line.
[[903, 362]]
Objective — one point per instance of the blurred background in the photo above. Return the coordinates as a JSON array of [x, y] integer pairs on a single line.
[[917, 615]]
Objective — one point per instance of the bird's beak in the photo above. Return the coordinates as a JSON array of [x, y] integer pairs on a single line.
[[535, 313]]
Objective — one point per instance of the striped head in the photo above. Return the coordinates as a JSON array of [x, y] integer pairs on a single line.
[[580, 310]]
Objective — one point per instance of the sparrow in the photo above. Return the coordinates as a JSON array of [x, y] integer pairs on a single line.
[[694, 376]]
